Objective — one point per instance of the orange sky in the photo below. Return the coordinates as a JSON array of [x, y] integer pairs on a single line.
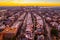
[[28, 4]]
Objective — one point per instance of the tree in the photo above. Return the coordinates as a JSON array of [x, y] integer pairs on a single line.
[[13, 38], [54, 32]]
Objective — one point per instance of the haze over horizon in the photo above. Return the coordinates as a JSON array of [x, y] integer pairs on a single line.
[[57, 1], [18, 2]]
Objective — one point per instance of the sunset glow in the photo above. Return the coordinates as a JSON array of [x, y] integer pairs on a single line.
[[29, 2]]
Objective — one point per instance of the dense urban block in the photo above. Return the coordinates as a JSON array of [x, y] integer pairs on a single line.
[[30, 23]]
